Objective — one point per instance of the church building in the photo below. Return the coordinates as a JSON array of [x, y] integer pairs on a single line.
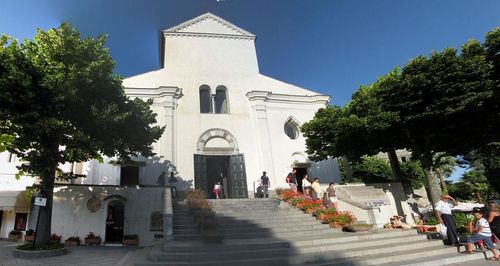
[[224, 122]]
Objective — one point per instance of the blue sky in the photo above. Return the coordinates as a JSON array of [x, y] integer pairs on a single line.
[[329, 46]]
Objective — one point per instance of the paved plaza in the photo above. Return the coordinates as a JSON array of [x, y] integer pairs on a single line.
[[82, 255], [100, 256]]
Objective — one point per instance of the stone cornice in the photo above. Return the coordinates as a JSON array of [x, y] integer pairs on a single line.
[[268, 96], [177, 29], [208, 35], [161, 91]]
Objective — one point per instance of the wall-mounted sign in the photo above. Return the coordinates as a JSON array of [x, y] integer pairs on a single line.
[[39, 201]]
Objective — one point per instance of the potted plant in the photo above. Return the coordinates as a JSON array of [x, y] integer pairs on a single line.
[[130, 240], [15, 235], [92, 239], [30, 235], [330, 220], [322, 213], [55, 238], [72, 241]]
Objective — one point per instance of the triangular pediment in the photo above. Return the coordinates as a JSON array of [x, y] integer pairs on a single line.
[[209, 24]]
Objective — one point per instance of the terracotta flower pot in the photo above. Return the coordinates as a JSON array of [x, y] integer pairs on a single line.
[[13, 237], [71, 243], [127, 242], [93, 241], [29, 238], [334, 225]]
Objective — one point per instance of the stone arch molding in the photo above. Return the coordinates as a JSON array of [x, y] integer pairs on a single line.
[[216, 133]]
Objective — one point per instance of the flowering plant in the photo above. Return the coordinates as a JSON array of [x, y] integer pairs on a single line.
[[341, 218], [91, 235], [309, 204], [55, 238], [287, 194]]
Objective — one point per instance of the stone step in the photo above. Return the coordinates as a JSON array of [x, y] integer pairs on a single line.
[[290, 228], [349, 252], [394, 258], [477, 258], [303, 246], [336, 237], [296, 256]]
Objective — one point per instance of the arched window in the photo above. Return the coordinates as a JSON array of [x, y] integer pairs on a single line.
[[291, 128], [205, 100], [221, 106], [156, 222]]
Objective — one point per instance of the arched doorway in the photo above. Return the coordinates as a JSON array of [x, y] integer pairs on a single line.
[[218, 160], [114, 222]]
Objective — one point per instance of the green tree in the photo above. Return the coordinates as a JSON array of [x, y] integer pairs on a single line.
[[413, 173], [438, 99], [473, 185], [444, 165], [62, 102], [371, 169]]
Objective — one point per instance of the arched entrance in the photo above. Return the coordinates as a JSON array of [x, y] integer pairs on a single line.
[[218, 160], [114, 221]]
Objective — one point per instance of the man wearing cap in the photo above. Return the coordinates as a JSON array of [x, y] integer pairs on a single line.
[[443, 213]]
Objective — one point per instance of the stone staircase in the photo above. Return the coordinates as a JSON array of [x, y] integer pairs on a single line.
[[263, 232]]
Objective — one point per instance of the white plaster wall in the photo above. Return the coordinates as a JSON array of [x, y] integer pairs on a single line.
[[71, 217], [8, 221], [283, 147], [8, 173], [217, 56]]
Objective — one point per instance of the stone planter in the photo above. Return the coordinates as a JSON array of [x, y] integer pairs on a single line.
[[29, 238], [357, 227], [71, 243], [93, 241], [35, 254], [130, 242]]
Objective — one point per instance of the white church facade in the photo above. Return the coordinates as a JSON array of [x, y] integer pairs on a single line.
[[224, 122]]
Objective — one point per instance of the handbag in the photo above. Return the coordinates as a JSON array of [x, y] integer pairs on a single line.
[[442, 229]]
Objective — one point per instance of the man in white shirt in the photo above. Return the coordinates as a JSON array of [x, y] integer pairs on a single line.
[[443, 213], [482, 232]]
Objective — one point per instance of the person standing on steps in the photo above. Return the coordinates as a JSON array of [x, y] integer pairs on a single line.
[[443, 213], [216, 190], [306, 186], [317, 192], [332, 196], [291, 180], [265, 183]]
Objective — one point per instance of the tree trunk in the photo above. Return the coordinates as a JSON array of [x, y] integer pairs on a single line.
[[348, 169], [396, 171], [433, 187], [43, 230], [441, 180], [479, 198]]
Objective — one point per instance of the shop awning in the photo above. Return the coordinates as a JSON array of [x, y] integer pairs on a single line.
[[13, 201]]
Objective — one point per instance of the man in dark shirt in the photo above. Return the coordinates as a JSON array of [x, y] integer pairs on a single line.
[[264, 182]]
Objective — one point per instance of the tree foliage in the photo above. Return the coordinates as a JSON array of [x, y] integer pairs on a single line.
[[443, 103], [62, 103]]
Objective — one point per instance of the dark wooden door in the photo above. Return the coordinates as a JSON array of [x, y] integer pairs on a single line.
[[200, 173], [238, 176]]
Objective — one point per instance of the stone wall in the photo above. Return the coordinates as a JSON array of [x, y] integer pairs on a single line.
[[72, 217]]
